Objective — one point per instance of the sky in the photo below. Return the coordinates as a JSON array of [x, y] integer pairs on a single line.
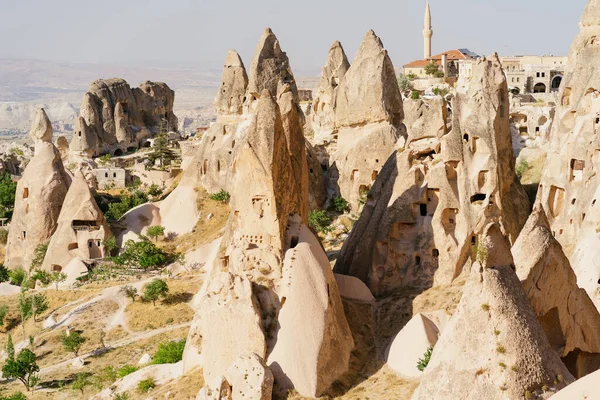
[[198, 33]]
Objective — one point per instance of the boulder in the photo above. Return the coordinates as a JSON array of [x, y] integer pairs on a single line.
[[581, 389], [354, 289], [410, 345], [145, 359], [217, 389], [250, 378], [566, 313], [78, 362]]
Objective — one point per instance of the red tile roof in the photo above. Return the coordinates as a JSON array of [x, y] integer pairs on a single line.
[[453, 55]]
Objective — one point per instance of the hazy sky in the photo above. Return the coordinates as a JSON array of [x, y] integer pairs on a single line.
[[199, 32]]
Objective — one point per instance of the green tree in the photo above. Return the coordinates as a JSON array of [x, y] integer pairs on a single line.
[[117, 209], [57, 278], [169, 352], [42, 276], [38, 256], [144, 386], [8, 190], [82, 380], [431, 68], [143, 254], [340, 204], [104, 159], [10, 348], [155, 232], [155, 290], [73, 342], [39, 304], [25, 310], [110, 244], [161, 150], [155, 190], [3, 235], [23, 368], [3, 312], [129, 291], [404, 83], [4, 276], [17, 276]]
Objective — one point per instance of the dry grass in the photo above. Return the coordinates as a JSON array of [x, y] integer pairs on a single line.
[[184, 388], [205, 230], [533, 174], [142, 316]]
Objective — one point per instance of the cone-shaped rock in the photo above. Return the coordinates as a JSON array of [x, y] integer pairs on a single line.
[[38, 200], [494, 346], [81, 229], [84, 139], [41, 128], [231, 96], [565, 311]]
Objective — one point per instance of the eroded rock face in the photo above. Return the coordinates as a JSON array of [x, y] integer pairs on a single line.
[[569, 185], [120, 117], [566, 313], [41, 128], [264, 232], [368, 120], [81, 229], [39, 198], [494, 346], [231, 96], [250, 378], [433, 198]]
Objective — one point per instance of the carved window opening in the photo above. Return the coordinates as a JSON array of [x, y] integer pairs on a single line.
[[294, 242], [354, 173], [478, 198], [435, 253], [56, 268], [556, 199], [577, 167], [25, 193], [423, 210], [73, 246], [418, 260]]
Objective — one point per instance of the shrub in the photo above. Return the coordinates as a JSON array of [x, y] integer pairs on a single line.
[[431, 68], [110, 245], [143, 254], [8, 190], [105, 159], [155, 232], [129, 291], [14, 396], [146, 385], [117, 209], [3, 236], [38, 255], [42, 276], [155, 190], [411, 76], [4, 274], [440, 92], [521, 168], [500, 349], [134, 184], [340, 204], [17, 276], [169, 353], [121, 396], [319, 221], [82, 380], [155, 290], [73, 341], [126, 370], [404, 83], [221, 196], [415, 95], [480, 253], [439, 74], [58, 277], [423, 362]]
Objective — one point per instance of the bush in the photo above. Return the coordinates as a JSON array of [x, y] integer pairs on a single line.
[[423, 362], [129, 291], [143, 254], [105, 159], [415, 95], [17, 276], [440, 92], [117, 209], [4, 273], [439, 74], [155, 290], [404, 83], [431, 68], [126, 370], [3, 236], [121, 396], [41, 276], [82, 380], [169, 353], [221, 196], [146, 385], [8, 190], [155, 190], [319, 220], [155, 232], [38, 255], [340, 204], [14, 396], [521, 168]]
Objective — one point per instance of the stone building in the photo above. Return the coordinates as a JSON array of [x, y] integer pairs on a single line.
[[115, 177], [534, 74]]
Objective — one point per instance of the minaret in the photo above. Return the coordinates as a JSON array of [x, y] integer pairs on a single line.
[[427, 33]]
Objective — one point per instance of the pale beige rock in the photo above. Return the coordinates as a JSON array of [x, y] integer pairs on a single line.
[[566, 313], [81, 229], [84, 140], [433, 198], [410, 345], [228, 308], [39, 198], [570, 182], [585, 388], [250, 378], [493, 347], [217, 389], [231, 95], [314, 340], [353, 289], [41, 128]]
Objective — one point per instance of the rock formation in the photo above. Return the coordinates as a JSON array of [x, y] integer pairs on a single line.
[[267, 245], [81, 230], [323, 108], [433, 197], [231, 96], [566, 313], [568, 188], [118, 117], [493, 347], [39, 198]]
